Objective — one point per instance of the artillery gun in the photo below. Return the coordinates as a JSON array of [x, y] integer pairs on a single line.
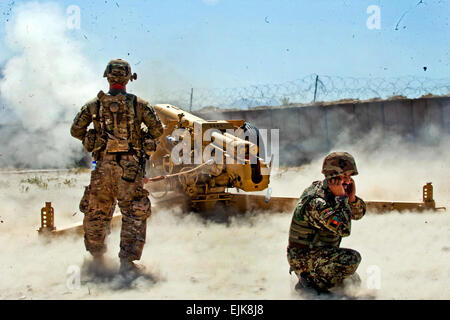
[[197, 162], [200, 160]]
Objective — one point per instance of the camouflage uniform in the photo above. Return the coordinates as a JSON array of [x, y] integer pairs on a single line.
[[319, 222], [116, 143]]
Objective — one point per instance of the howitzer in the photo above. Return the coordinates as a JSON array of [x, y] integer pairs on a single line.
[[198, 160], [202, 159]]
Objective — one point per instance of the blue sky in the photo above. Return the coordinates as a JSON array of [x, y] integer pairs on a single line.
[[230, 43]]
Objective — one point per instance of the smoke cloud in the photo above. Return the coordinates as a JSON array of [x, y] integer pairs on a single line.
[[45, 84]]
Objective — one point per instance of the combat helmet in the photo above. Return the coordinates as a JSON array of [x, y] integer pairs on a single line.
[[337, 163], [119, 71]]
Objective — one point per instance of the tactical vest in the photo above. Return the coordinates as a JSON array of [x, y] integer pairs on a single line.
[[303, 233], [116, 123]]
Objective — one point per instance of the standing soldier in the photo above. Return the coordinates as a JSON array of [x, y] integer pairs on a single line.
[[321, 218], [119, 146]]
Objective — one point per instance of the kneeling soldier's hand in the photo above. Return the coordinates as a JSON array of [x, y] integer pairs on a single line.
[[350, 190], [336, 187]]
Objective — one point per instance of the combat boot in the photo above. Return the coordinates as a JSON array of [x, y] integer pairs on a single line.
[[353, 280], [130, 269], [97, 267], [305, 284]]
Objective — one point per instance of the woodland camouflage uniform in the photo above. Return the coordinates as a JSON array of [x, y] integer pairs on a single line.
[[319, 222]]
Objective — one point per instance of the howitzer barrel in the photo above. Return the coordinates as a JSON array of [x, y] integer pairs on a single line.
[[236, 145], [168, 112], [253, 148], [241, 167]]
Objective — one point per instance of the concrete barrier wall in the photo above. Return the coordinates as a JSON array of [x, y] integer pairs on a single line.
[[308, 131]]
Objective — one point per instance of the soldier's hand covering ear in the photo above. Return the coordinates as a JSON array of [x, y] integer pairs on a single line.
[[336, 187], [350, 190]]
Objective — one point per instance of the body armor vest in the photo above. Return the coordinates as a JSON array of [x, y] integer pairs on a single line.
[[305, 234], [116, 124]]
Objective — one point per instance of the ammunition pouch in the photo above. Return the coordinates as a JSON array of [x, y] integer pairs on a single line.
[[89, 140], [117, 146], [130, 170]]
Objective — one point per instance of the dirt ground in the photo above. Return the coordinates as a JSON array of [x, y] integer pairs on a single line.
[[405, 256]]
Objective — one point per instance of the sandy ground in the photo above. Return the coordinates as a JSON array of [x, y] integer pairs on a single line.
[[405, 256]]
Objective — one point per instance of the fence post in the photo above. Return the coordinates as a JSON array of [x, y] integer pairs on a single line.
[[190, 104], [315, 87]]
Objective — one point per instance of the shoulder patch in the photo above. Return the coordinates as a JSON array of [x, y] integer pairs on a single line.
[[327, 212], [334, 222]]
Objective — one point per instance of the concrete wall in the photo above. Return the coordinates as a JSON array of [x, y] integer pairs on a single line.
[[307, 131]]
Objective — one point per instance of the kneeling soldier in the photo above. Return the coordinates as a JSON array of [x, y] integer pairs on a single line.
[[321, 218]]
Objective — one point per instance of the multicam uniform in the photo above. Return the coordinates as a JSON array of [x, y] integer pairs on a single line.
[[117, 143], [319, 222]]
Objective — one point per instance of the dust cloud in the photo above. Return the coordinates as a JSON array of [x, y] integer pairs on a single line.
[[405, 255], [390, 167]]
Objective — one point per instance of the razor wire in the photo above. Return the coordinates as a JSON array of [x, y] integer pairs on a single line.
[[309, 89]]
